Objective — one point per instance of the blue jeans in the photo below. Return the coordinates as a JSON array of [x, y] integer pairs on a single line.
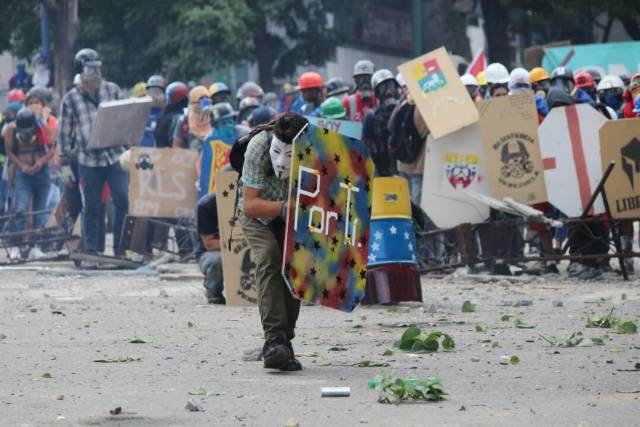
[[415, 186], [210, 264], [92, 182], [32, 189]]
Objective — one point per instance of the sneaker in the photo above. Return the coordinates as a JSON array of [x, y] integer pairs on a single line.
[[628, 265], [551, 268], [276, 353], [575, 269], [36, 253], [589, 273], [293, 364], [213, 298], [15, 254]]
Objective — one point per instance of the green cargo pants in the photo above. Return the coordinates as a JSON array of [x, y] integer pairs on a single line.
[[278, 309]]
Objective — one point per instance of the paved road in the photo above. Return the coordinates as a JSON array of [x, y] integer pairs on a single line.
[[58, 322]]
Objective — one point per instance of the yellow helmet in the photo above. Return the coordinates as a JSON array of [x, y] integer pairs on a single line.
[[482, 80], [139, 90], [537, 74]]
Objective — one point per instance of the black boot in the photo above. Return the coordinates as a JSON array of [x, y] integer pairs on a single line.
[[276, 353]]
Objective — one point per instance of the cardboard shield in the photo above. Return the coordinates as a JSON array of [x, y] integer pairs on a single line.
[[570, 149], [120, 122], [510, 133], [620, 143], [162, 182], [238, 267], [440, 96], [454, 165], [327, 234], [344, 127], [215, 156]]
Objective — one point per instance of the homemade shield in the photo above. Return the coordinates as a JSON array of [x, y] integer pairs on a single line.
[[441, 98], [327, 235], [215, 156], [620, 143], [238, 267], [510, 133], [570, 149], [120, 122], [453, 166], [163, 182], [345, 127]]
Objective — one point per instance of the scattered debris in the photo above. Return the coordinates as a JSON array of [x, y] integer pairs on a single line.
[[388, 352], [628, 327], [115, 411], [254, 355], [478, 328], [522, 325], [3, 337], [193, 406], [119, 360], [468, 307], [412, 341], [514, 360], [371, 364], [190, 325], [506, 317], [523, 303], [558, 304], [163, 294], [396, 390], [47, 375], [576, 339], [335, 391], [336, 348], [292, 423], [60, 397], [201, 391], [140, 341]]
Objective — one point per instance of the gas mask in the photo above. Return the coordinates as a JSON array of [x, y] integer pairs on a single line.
[[91, 75], [363, 85], [541, 86], [387, 92], [612, 98], [280, 154]]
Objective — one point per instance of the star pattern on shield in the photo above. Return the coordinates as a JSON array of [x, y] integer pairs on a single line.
[[378, 235], [393, 229]]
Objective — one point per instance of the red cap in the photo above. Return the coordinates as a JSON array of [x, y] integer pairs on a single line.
[[583, 80]]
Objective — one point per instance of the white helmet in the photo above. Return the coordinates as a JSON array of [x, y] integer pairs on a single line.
[[519, 79], [363, 66], [496, 73], [610, 82], [400, 80], [468, 80], [381, 76]]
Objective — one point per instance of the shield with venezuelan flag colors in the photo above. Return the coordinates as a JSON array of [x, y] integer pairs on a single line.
[[215, 156], [327, 234]]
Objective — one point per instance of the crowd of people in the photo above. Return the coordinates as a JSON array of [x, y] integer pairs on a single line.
[[46, 154]]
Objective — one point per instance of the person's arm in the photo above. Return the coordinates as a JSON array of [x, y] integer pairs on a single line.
[[211, 242], [65, 127], [255, 207]]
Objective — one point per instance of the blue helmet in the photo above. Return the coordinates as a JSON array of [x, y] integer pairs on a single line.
[[176, 92]]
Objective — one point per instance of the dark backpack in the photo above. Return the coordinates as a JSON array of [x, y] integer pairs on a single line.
[[239, 148], [405, 142]]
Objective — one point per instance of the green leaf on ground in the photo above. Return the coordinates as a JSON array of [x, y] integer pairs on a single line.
[[370, 364], [190, 325], [604, 321], [412, 340], [337, 349], [514, 360], [506, 317], [479, 328], [628, 327], [468, 307], [118, 360], [47, 375], [623, 297], [521, 325], [495, 344], [201, 391], [396, 390], [140, 341], [388, 352]]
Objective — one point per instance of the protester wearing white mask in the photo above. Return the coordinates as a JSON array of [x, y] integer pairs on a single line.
[[263, 207]]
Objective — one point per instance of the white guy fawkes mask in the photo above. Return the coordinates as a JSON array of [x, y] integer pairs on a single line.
[[280, 154]]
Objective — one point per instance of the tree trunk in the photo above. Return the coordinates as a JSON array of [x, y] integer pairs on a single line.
[[264, 53], [64, 20], [496, 20]]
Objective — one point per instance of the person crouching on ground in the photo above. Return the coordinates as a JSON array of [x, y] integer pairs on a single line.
[[263, 207], [208, 253]]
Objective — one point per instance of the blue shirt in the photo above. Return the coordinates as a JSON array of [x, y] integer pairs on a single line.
[[148, 139]]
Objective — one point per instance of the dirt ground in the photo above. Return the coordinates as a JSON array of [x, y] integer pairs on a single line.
[[56, 322]]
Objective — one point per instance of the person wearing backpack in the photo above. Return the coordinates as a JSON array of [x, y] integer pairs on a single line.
[[30, 145], [263, 159], [375, 131]]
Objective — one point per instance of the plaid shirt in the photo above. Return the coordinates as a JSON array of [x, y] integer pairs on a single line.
[[257, 163], [77, 120]]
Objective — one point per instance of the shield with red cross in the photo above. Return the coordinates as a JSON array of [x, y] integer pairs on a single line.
[[570, 148]]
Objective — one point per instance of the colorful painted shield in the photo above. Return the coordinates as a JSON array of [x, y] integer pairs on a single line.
[[570, 148], [344, 127], [326, 242], [215, 156]]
